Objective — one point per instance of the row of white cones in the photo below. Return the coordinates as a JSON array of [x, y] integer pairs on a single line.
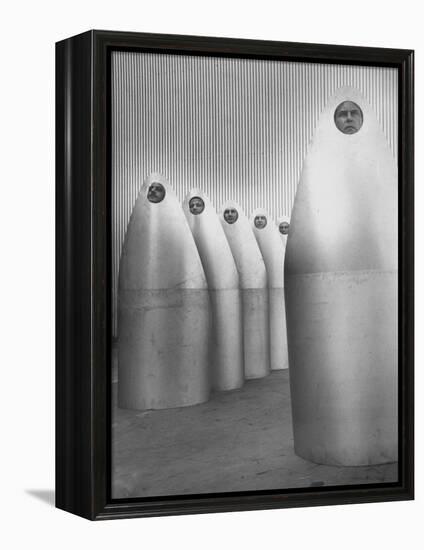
[[201, 299], [340, 288]]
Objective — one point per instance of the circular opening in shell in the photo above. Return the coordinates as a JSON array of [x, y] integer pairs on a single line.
[[260, 221], [348, 117], [156, 192], [196, 205], [284, 228], [230, 215]]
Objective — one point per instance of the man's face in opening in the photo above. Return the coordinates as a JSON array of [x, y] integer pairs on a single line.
[[260, 222], [156, 192], [284, 228], [230, 215], [196, 205], [348, 117]]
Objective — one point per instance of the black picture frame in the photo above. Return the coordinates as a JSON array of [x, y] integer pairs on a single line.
[[83, 415]]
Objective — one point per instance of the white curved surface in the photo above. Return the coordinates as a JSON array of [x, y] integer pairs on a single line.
[[273, 250], [345, 211], [225, 295], [253, 282], [164, 323], [341, 295]]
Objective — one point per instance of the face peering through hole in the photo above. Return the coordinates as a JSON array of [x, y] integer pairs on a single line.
[[230, 215], [260, 221], [156, 192], [284, 228], [196, 205], [348, 117]]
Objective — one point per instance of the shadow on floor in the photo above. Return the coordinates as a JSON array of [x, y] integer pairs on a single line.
[[45, 495]]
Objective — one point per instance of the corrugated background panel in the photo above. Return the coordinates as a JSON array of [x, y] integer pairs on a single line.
[[237, 128]]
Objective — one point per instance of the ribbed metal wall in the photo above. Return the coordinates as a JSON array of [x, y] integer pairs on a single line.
[[237, 128]]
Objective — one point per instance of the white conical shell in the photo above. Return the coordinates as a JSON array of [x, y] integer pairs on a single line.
[[223, 281], [159, 251], [214, 250], [163, 332], [253, 282], [341, 295], [273, 249], [344, 216], [245, 249]]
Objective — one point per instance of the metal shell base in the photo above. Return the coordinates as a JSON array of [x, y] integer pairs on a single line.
[[342, 331]]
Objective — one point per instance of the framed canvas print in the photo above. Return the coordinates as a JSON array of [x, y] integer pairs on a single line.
[[234, 274]]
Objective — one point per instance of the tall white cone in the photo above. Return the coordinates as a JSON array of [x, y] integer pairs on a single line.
[[253, 282], [163, 318], [223, 282], [273, 250], [341, 291]]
